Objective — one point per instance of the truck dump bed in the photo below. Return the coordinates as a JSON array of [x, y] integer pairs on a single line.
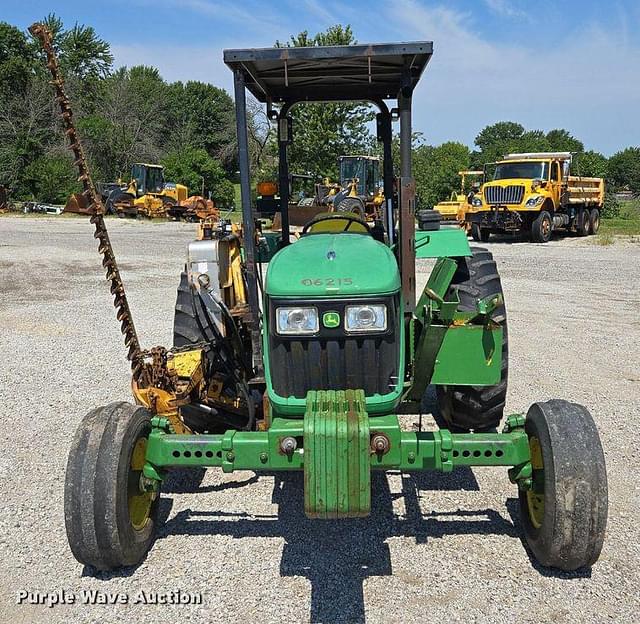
[[589, 191]]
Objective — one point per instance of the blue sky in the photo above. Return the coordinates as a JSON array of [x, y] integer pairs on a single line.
[[545, 64]]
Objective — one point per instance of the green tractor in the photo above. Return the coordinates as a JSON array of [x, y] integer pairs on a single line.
[[309, 369]]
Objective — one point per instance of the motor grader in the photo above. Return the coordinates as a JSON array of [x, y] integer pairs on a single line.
[[310, 368]]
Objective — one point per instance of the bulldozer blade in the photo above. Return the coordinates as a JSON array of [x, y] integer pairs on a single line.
[[298, 215], [77, 204]]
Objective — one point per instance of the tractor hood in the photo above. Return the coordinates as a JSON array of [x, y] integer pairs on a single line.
[[335, 265]]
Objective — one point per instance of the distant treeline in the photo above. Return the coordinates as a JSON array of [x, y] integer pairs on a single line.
[[128, 115]]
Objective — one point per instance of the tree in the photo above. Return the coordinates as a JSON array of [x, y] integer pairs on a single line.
[[203, 115], [590, 164], [496, 140], [624, 169], [51, 178], [561, 140], [194, 168], [129, 124], [322, 132], [436, 170], [17, 60]]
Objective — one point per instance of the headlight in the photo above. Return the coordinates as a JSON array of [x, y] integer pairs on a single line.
[[365, 318], [297, 320], [535, 200], [477, 202]]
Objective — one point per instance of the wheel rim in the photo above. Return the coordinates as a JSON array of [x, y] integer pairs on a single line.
[[138, 501], [535, 496], [546, 227], [596, 223]]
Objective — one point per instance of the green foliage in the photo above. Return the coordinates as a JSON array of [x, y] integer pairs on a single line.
[[50, 179], [611, 207], [193, 167], [590, 164], [436, 171], [624, 169], [507, 136], [562, 141], [203, 116], [17, 60], [322, 132]]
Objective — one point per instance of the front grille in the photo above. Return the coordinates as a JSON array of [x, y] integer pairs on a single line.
[[504, 194], [333, 360]]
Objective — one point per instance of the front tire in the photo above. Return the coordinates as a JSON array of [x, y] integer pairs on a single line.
[[564, 515], [541, 228], [480, 234], [110, 521], [477, 407]]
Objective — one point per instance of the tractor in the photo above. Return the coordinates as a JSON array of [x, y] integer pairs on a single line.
[[310, 366]]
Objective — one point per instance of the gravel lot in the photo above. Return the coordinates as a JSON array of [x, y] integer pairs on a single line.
[[435, 548]]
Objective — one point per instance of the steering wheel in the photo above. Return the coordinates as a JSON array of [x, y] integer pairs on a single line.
[[349, 218]]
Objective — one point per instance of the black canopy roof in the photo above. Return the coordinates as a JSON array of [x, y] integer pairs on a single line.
[[356, 72]]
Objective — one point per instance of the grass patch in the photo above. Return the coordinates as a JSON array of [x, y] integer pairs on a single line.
[[604, 239], [626, 223]]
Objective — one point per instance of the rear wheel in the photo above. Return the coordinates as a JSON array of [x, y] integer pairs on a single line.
[[564, 515], [480, 234], [594, 221], [110, 519], [476, 407], [541, 228], [583, 222]]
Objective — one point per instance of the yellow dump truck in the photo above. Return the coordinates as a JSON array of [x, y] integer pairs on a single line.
[[460, 203], [535, 194]]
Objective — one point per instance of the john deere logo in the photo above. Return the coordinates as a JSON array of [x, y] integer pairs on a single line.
[[331, 319]]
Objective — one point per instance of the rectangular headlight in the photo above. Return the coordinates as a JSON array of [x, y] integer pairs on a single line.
[[298, 320], [365, 318]]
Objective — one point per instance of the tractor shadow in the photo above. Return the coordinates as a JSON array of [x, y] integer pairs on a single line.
[[337, 556]]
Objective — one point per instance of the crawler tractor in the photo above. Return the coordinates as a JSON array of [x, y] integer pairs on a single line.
[[309, 368]]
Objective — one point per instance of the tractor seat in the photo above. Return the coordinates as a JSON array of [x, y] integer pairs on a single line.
[[336, 222]]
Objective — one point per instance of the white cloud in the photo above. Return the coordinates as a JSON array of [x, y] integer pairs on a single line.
[[588, 83]]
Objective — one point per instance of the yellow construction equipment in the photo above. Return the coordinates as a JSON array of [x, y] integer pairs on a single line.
[[460, 203], [147, 194]]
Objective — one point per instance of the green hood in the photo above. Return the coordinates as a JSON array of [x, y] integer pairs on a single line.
[[320, 265]]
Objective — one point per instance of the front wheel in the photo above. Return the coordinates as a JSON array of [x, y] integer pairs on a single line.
[[564, 514], [110, 519], [541, 228], [479, 234]]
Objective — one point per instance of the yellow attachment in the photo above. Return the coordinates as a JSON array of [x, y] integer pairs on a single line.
[[535, 499], [186, 363]]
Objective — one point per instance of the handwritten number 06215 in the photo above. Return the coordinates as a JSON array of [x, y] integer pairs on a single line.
[[327, 281]]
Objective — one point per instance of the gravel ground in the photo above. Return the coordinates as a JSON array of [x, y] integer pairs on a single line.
[[435, 548]]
